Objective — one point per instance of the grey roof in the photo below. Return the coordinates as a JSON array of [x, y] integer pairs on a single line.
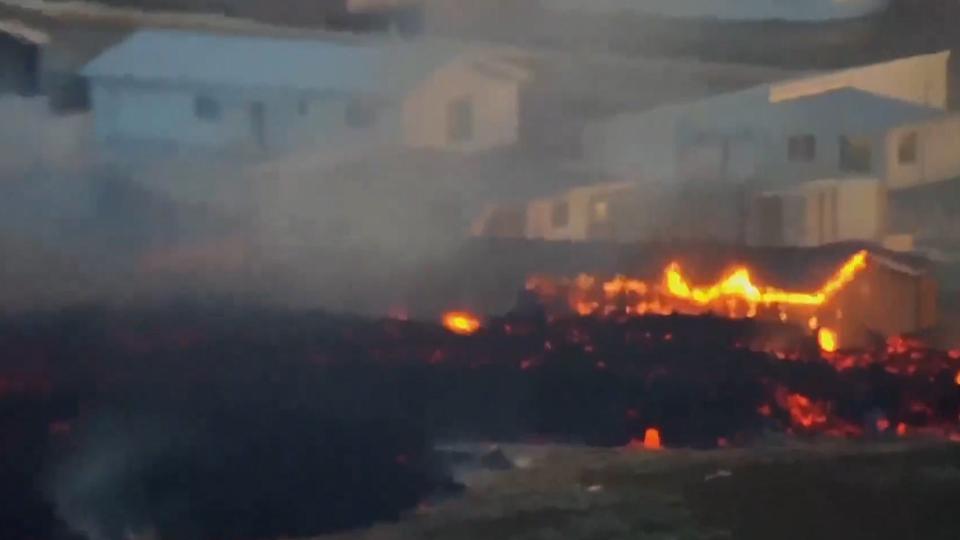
[[254, 61], [865, 111]]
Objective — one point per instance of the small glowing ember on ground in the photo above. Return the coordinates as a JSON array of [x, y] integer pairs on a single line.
[[803, 411], [827, 339], [461, 322]]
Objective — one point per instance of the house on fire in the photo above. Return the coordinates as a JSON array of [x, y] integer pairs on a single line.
[[184, 90]]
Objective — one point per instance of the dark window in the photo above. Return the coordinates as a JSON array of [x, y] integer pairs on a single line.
[[907, 149], [360, 113], [460, 120], [560, 214], [856, 154], [303, 107], [206, 108], [802, 148]]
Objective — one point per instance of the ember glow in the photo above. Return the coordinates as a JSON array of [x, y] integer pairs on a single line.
[[827, 339], [803, 411], [461, 322]]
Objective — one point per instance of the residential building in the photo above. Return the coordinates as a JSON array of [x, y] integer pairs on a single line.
[[789, 130], [257, 95]]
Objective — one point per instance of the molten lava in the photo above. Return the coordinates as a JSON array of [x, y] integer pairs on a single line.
[[827, 339], [804, 412], [651, 439], [461, 322]]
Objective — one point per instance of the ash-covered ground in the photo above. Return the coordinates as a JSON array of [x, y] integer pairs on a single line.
[[199, 422]]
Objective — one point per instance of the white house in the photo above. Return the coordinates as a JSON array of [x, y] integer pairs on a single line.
[[185, 90], [845, 132], [748, 134]]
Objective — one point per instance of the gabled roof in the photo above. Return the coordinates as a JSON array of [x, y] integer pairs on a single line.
[[383, 66], [864, 110]]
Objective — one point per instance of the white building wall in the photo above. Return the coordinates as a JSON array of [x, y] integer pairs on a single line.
[[145, 114], [165, 115], [762, 133], [938, 153], [495, 103]]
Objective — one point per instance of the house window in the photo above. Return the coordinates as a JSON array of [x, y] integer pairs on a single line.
[[856, 154], [560, 214], [601, 211], [802, 148], [360, 114], [206, 108], [907, 149], [460, 120]]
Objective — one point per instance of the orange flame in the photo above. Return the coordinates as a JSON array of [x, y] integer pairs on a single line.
[[651, 439], [735, 294], [738, 284], [956, 379], [827, 339], [461, 322]]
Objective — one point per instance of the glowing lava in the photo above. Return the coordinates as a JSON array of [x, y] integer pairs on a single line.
[[461, 322], [651, 439], [738, 284], [588, 295], [804, 411], [827, 339]]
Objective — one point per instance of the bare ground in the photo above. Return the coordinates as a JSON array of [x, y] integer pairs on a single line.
[[826, 490]]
